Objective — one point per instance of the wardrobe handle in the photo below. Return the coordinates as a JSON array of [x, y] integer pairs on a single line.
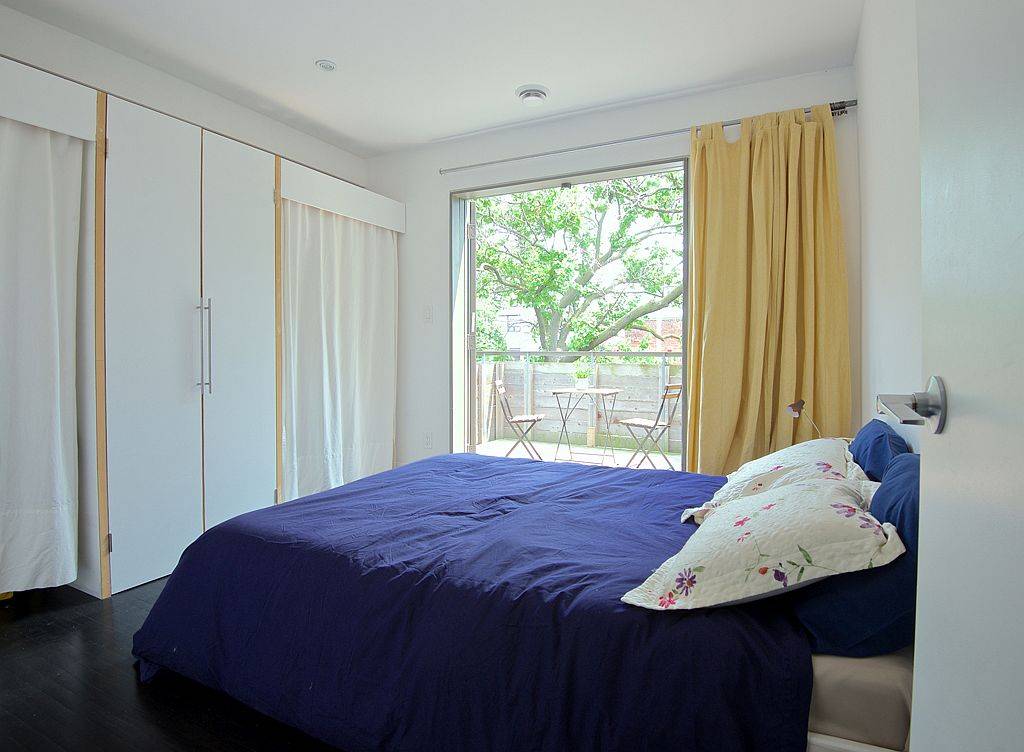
[[202, 349], [209, 345]]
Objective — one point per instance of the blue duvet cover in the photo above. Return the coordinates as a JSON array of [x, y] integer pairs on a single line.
[[470, 603]]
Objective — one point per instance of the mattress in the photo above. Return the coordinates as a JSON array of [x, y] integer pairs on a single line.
[[864, 700], [466, 604]]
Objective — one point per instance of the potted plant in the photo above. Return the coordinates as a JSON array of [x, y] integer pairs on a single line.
[[582, 377]]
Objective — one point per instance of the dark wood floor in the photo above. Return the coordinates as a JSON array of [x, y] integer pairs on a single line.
[[68, 682]]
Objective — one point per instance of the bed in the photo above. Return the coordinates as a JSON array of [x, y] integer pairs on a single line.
[[472, 603], [862, 700]]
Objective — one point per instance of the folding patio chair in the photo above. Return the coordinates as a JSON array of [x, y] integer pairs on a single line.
[[648, 432], [520, 424]]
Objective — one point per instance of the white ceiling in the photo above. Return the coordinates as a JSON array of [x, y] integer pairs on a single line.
[[414, 71]]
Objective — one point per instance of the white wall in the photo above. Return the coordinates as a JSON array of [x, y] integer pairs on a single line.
[[39, 44], [890, 203], [424, 405]]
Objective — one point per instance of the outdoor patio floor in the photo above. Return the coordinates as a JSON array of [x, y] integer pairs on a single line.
[[499, 447]]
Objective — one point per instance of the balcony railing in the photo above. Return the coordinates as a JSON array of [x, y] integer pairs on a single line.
[[530, 377]]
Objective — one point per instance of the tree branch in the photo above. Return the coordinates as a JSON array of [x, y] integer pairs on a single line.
[[542, 331], [528, 242], [659, 230], [502, 281], [641, 328], [626, 320], [571, 295], [511, 254]]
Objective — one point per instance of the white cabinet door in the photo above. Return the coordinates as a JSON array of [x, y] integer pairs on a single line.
[[154, 454], [239, 415]]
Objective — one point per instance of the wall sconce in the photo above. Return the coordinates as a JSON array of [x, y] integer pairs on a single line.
[[796, 408], [917, 409]]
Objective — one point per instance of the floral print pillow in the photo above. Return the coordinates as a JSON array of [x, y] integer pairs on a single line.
[[818, 459], [762, 545]]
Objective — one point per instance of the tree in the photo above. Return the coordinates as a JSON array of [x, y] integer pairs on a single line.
[[590, 261]]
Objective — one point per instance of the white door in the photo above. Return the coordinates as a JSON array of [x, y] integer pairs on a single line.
[[154, 456], [239, 413], [969, 658]]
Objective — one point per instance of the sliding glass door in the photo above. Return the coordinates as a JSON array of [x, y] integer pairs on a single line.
[[569, 319]]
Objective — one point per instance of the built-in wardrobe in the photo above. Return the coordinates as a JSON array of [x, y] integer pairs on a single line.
[[190, 367], [179, 332]]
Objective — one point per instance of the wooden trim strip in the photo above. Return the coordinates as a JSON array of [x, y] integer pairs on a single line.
[[278, 327], [202, 293], [99, 241]]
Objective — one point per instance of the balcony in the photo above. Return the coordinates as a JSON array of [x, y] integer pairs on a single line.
[[530, 378]]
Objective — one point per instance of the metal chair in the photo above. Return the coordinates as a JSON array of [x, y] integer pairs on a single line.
[[517, 423], [648, 432]]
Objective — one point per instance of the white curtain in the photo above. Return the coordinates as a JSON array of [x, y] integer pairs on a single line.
[[340, 364], [41, 175]]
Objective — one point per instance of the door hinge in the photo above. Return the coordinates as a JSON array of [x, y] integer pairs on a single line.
[[470, 342], [276, 495], [110, 543], [106, 147], [471, 231]]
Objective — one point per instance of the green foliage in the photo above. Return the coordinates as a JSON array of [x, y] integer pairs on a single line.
[[488, 335], [591, 261]]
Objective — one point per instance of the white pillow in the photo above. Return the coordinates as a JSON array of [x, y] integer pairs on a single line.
[[763, 544], [818, 459]]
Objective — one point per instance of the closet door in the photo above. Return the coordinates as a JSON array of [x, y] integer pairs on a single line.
[[239, 418], [154, 460]]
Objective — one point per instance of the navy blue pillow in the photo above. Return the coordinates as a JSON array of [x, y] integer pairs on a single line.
[[875, 446], [871, 612]]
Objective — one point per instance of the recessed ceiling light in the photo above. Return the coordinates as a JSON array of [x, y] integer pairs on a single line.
[[532, 94], [326, 65]]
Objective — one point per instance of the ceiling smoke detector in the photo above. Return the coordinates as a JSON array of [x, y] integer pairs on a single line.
[[325, 65], [532, 94]]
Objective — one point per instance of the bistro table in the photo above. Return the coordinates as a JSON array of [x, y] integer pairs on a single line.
[[568, 400]]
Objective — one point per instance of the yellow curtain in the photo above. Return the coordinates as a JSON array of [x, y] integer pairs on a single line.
[[767, 310]]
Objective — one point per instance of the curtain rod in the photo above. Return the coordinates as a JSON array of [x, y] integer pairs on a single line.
[[838, 108]]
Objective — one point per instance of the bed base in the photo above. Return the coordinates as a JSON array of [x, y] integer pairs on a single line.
[[824, 743]]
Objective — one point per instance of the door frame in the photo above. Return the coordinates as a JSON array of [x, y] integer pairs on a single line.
[[462, 275]]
